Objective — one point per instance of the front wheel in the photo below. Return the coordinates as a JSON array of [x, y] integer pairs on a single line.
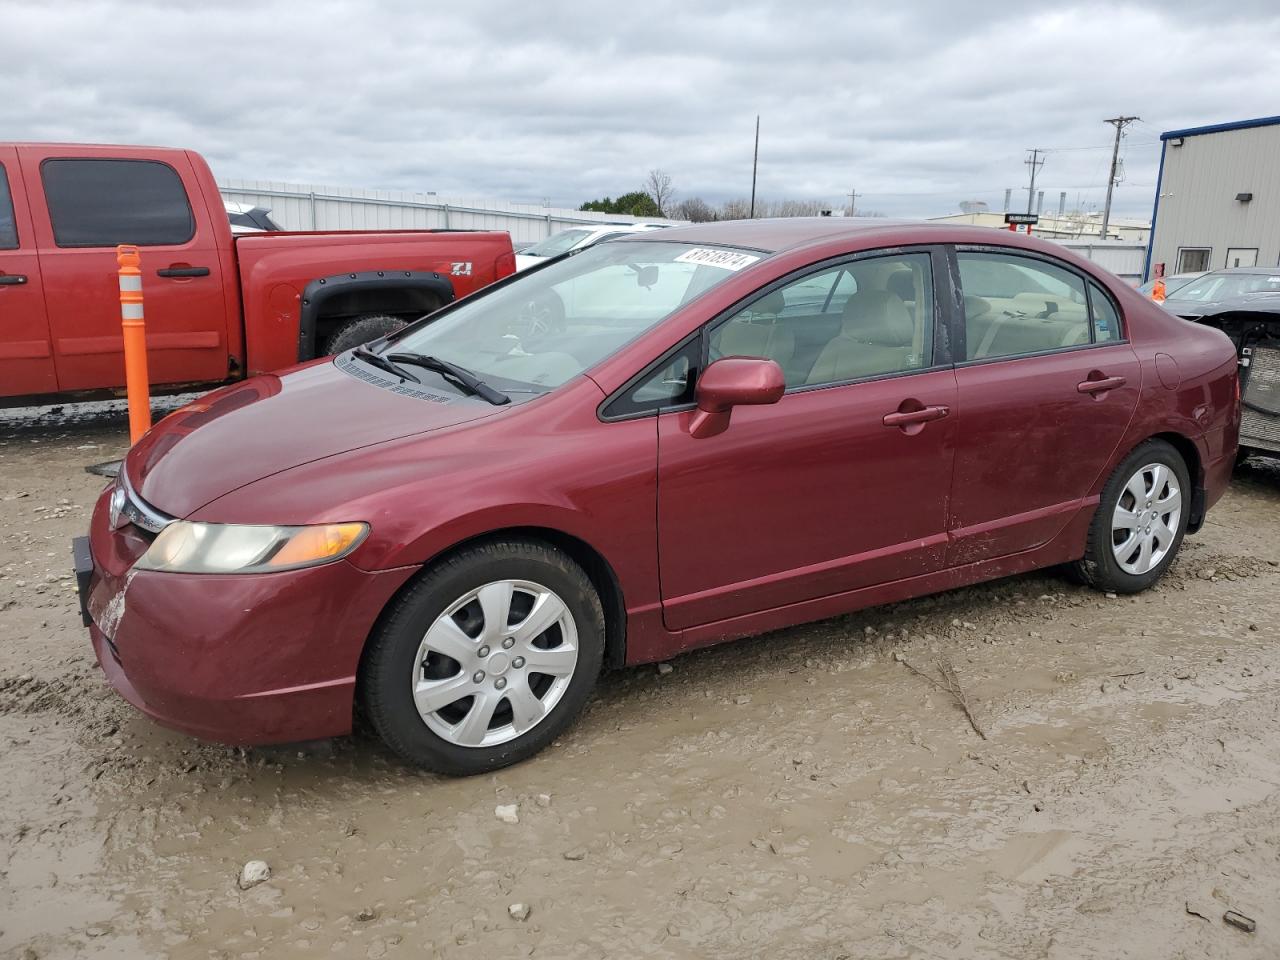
[[485, 659], [1140, 522]]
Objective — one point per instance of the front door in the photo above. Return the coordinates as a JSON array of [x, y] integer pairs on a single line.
[[92, 204], [843, 483], [1047, 388], [26, 352]]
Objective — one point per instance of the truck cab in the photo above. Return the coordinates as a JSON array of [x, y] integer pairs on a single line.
[[218, 307]]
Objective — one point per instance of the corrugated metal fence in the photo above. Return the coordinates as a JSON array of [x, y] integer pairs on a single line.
[[308, 207], [1124, 258]]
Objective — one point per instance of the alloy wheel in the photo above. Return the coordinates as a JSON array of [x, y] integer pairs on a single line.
[[1146, 518], [495, 663]]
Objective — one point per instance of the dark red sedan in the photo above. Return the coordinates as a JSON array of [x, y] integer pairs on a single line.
[[655, 444]]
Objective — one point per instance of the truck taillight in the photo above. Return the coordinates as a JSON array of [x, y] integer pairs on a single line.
[[505, 265]]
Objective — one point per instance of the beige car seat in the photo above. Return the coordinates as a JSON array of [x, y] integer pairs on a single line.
[[875, 337]]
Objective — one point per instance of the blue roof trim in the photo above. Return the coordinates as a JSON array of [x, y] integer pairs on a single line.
[[1221, 127]]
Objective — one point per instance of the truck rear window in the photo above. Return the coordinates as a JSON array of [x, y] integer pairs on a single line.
[[102, 203], [8, 226]]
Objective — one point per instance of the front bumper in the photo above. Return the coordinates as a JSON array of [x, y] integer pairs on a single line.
[[259, 658]]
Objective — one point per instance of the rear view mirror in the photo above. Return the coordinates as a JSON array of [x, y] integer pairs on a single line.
[[733, 382]]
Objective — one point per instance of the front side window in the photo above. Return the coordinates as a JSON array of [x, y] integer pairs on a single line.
[[1016, 305], [546, 327], [8, 224], [865, 318], [102, 203]]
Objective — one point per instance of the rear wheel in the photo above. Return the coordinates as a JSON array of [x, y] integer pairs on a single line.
[[486, 659], [1140, 522], [361, 330]]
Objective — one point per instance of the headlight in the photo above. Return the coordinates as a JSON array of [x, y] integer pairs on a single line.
[[185, 547]]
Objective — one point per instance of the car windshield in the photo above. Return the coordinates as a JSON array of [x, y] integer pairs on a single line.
[[559, 243], [1222, 286], [548, 326]]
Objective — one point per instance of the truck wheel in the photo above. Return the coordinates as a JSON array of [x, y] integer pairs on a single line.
[[361, 330], [1140, 521], [485, 659]]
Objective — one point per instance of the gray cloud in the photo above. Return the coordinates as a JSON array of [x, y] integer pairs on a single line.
[[917, 105]]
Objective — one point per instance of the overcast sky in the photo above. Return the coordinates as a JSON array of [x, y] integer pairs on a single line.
[[917, 106]]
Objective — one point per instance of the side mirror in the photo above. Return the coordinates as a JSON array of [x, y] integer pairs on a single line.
[[733, 382]]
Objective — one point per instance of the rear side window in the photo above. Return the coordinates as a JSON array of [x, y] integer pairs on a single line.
[[8, 225], [102, 203], [1017, 305]]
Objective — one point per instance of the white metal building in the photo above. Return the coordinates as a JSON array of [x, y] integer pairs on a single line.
[[1217, 198], [308, 207]]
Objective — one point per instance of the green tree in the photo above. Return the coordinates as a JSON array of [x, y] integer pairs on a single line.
[[599, 206], [637, 203]]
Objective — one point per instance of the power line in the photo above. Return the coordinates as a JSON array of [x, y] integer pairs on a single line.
[[1119, 123], [1034, 164]]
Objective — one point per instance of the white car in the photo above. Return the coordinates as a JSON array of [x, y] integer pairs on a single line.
[[576, 238], [246, 218]]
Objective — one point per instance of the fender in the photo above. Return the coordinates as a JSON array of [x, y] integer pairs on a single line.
[[324, 290]]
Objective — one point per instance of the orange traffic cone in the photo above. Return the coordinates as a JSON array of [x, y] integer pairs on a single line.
[[1157, 292]]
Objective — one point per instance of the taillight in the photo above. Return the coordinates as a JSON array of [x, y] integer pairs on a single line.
[[505, 265]]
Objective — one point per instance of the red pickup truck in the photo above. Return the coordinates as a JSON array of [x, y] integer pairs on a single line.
[[218, 307]]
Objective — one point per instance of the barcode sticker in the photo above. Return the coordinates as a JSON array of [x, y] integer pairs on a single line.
[[711, 257]]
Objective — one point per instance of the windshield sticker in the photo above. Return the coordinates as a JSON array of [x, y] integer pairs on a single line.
[[711, 257]]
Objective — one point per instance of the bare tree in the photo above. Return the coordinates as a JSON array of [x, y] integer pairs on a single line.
[[694, 209], [658, 186], [739, 209]]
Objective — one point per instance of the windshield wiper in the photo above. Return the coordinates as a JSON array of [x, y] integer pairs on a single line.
[[383, 363], [463, 377]]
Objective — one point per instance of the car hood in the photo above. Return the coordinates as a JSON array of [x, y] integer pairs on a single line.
[[524, 262], [1261, 302], [251, 430]]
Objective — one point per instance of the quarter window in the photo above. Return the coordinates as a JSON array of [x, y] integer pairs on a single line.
[[865, 318], [1106, 322], [8, 224], [102, 203], [1016, 305]]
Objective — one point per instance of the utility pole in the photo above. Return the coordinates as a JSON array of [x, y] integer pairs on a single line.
[[1035, 162], [1119, 123], [755, 162], [853, 202]]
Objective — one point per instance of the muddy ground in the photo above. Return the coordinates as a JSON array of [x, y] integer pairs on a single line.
[[803, 794]]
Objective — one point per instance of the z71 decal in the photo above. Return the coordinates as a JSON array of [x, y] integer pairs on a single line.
[[461, 269]]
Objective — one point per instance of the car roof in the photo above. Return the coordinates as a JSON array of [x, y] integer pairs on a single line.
[[1268, 271], [786, 233]]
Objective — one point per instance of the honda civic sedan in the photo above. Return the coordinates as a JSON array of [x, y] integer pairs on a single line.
[[725, 429]]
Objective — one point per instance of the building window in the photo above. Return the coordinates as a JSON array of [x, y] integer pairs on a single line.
[[1193, 259], [1242, 257]]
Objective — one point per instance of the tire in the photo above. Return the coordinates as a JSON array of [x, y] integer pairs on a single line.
[[361, 330], [404, 667], [1103, 567]]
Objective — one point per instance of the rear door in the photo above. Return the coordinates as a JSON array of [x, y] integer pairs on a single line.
[[26, 352], [1047, 386], [92, 202]]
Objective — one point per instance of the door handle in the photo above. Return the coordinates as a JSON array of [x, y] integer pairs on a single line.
[[12, 279], [905, 418], [1100, 385], [183, 272]]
